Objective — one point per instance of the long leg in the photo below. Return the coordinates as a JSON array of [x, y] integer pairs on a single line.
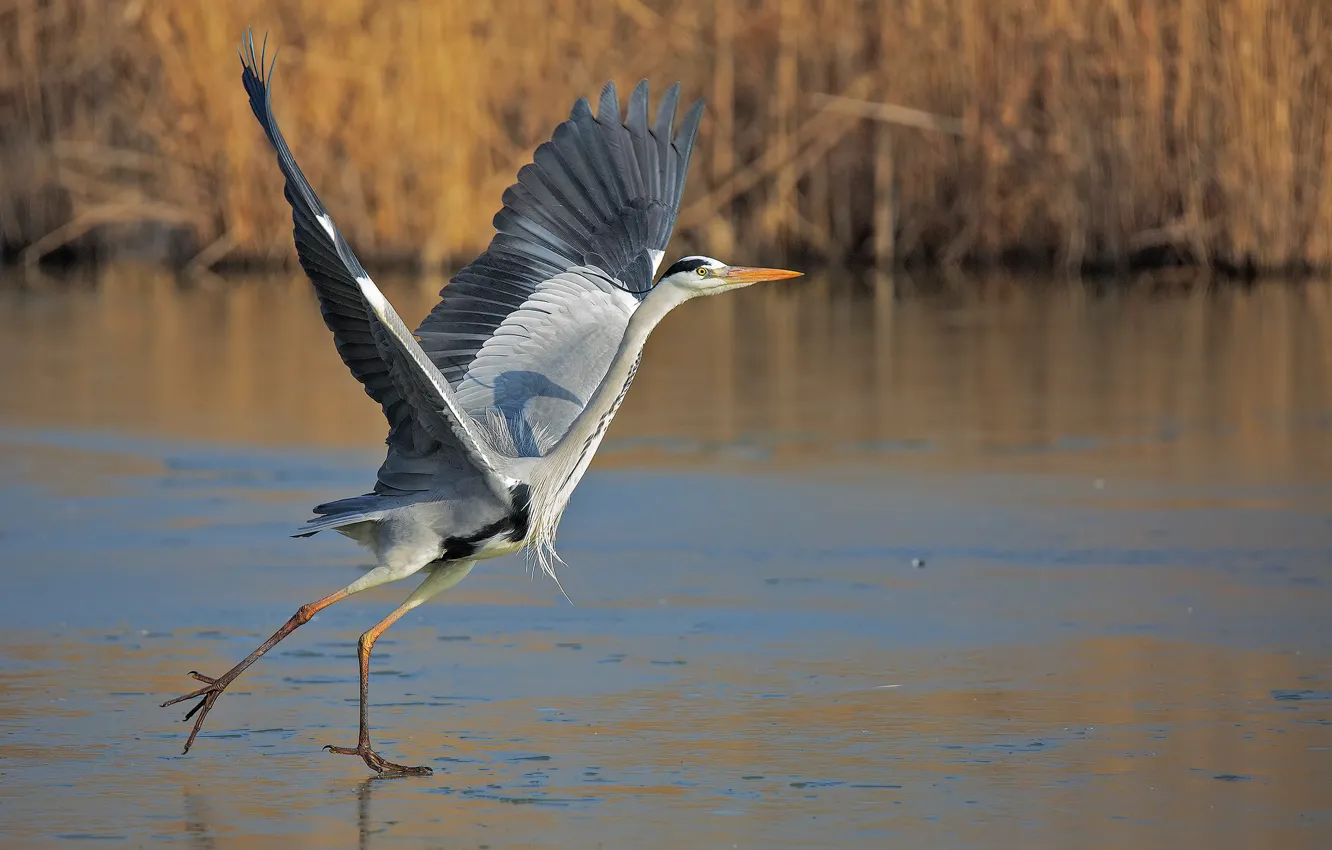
[[213, 688], [441, 578]]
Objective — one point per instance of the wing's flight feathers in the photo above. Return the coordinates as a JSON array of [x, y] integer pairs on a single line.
[[400, 376], [435, 391], [666, 161], [602, 193], [616, 139], [636, 122], [683, 146]]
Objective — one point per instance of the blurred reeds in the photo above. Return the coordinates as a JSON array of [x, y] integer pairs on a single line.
[[1093, 132], [1176, 383]]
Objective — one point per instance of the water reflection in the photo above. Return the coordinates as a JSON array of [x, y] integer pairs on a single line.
[[1174, 382], [363, 823], [198, 820], [1129, 651], [1134, 740]]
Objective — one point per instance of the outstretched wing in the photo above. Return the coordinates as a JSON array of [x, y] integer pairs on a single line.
[[530, 327], [427, 426]]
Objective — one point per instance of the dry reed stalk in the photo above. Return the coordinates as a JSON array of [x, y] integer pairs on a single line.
[[721, 233], [779, 219], [1097, 131]]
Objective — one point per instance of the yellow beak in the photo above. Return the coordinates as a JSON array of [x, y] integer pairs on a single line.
[[745, 274]]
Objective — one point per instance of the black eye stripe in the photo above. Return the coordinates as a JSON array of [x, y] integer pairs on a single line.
[[688, 264]]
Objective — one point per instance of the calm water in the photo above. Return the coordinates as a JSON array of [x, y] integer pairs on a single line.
[[915, 565]]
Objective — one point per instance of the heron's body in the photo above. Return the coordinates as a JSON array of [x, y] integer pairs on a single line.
[[498, 402]]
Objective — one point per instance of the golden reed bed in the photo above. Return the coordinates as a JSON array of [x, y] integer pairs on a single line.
[[1060, 131]]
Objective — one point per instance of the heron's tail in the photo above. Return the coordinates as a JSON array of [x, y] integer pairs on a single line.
[[344, 512]]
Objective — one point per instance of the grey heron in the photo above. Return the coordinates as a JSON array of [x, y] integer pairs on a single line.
[[498, 401]]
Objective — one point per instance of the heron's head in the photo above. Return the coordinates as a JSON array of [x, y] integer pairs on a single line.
[[706, 276]]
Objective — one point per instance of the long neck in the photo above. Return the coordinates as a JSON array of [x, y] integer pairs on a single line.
[[558, 472], [586, 431]]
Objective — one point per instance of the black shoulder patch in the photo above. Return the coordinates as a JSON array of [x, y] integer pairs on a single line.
[[521, 518], [688, 264], [513, 526], [458, 548]]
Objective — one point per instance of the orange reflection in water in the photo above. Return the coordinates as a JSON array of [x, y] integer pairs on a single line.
[[1173, 383], [1090, 743], [1111, 740]]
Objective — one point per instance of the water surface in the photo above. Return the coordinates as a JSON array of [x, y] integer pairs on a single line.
[[999, 564]]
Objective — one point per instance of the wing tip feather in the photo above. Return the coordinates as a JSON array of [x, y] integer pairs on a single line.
[[608, 109]]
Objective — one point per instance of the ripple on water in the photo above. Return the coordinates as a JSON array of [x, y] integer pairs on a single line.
[[1301, 695]]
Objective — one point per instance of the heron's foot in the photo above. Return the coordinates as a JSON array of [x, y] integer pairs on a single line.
[[377, 763], [207, 696]]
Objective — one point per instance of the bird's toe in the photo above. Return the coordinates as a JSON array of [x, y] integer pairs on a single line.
[[378, 763]]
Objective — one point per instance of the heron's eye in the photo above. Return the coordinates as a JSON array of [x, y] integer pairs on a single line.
[[703, 271]]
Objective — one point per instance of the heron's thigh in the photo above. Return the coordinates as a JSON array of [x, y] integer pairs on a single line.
[[442, 577], [384, 574]]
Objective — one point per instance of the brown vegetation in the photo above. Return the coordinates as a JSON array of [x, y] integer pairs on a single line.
[[1092, 131]]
